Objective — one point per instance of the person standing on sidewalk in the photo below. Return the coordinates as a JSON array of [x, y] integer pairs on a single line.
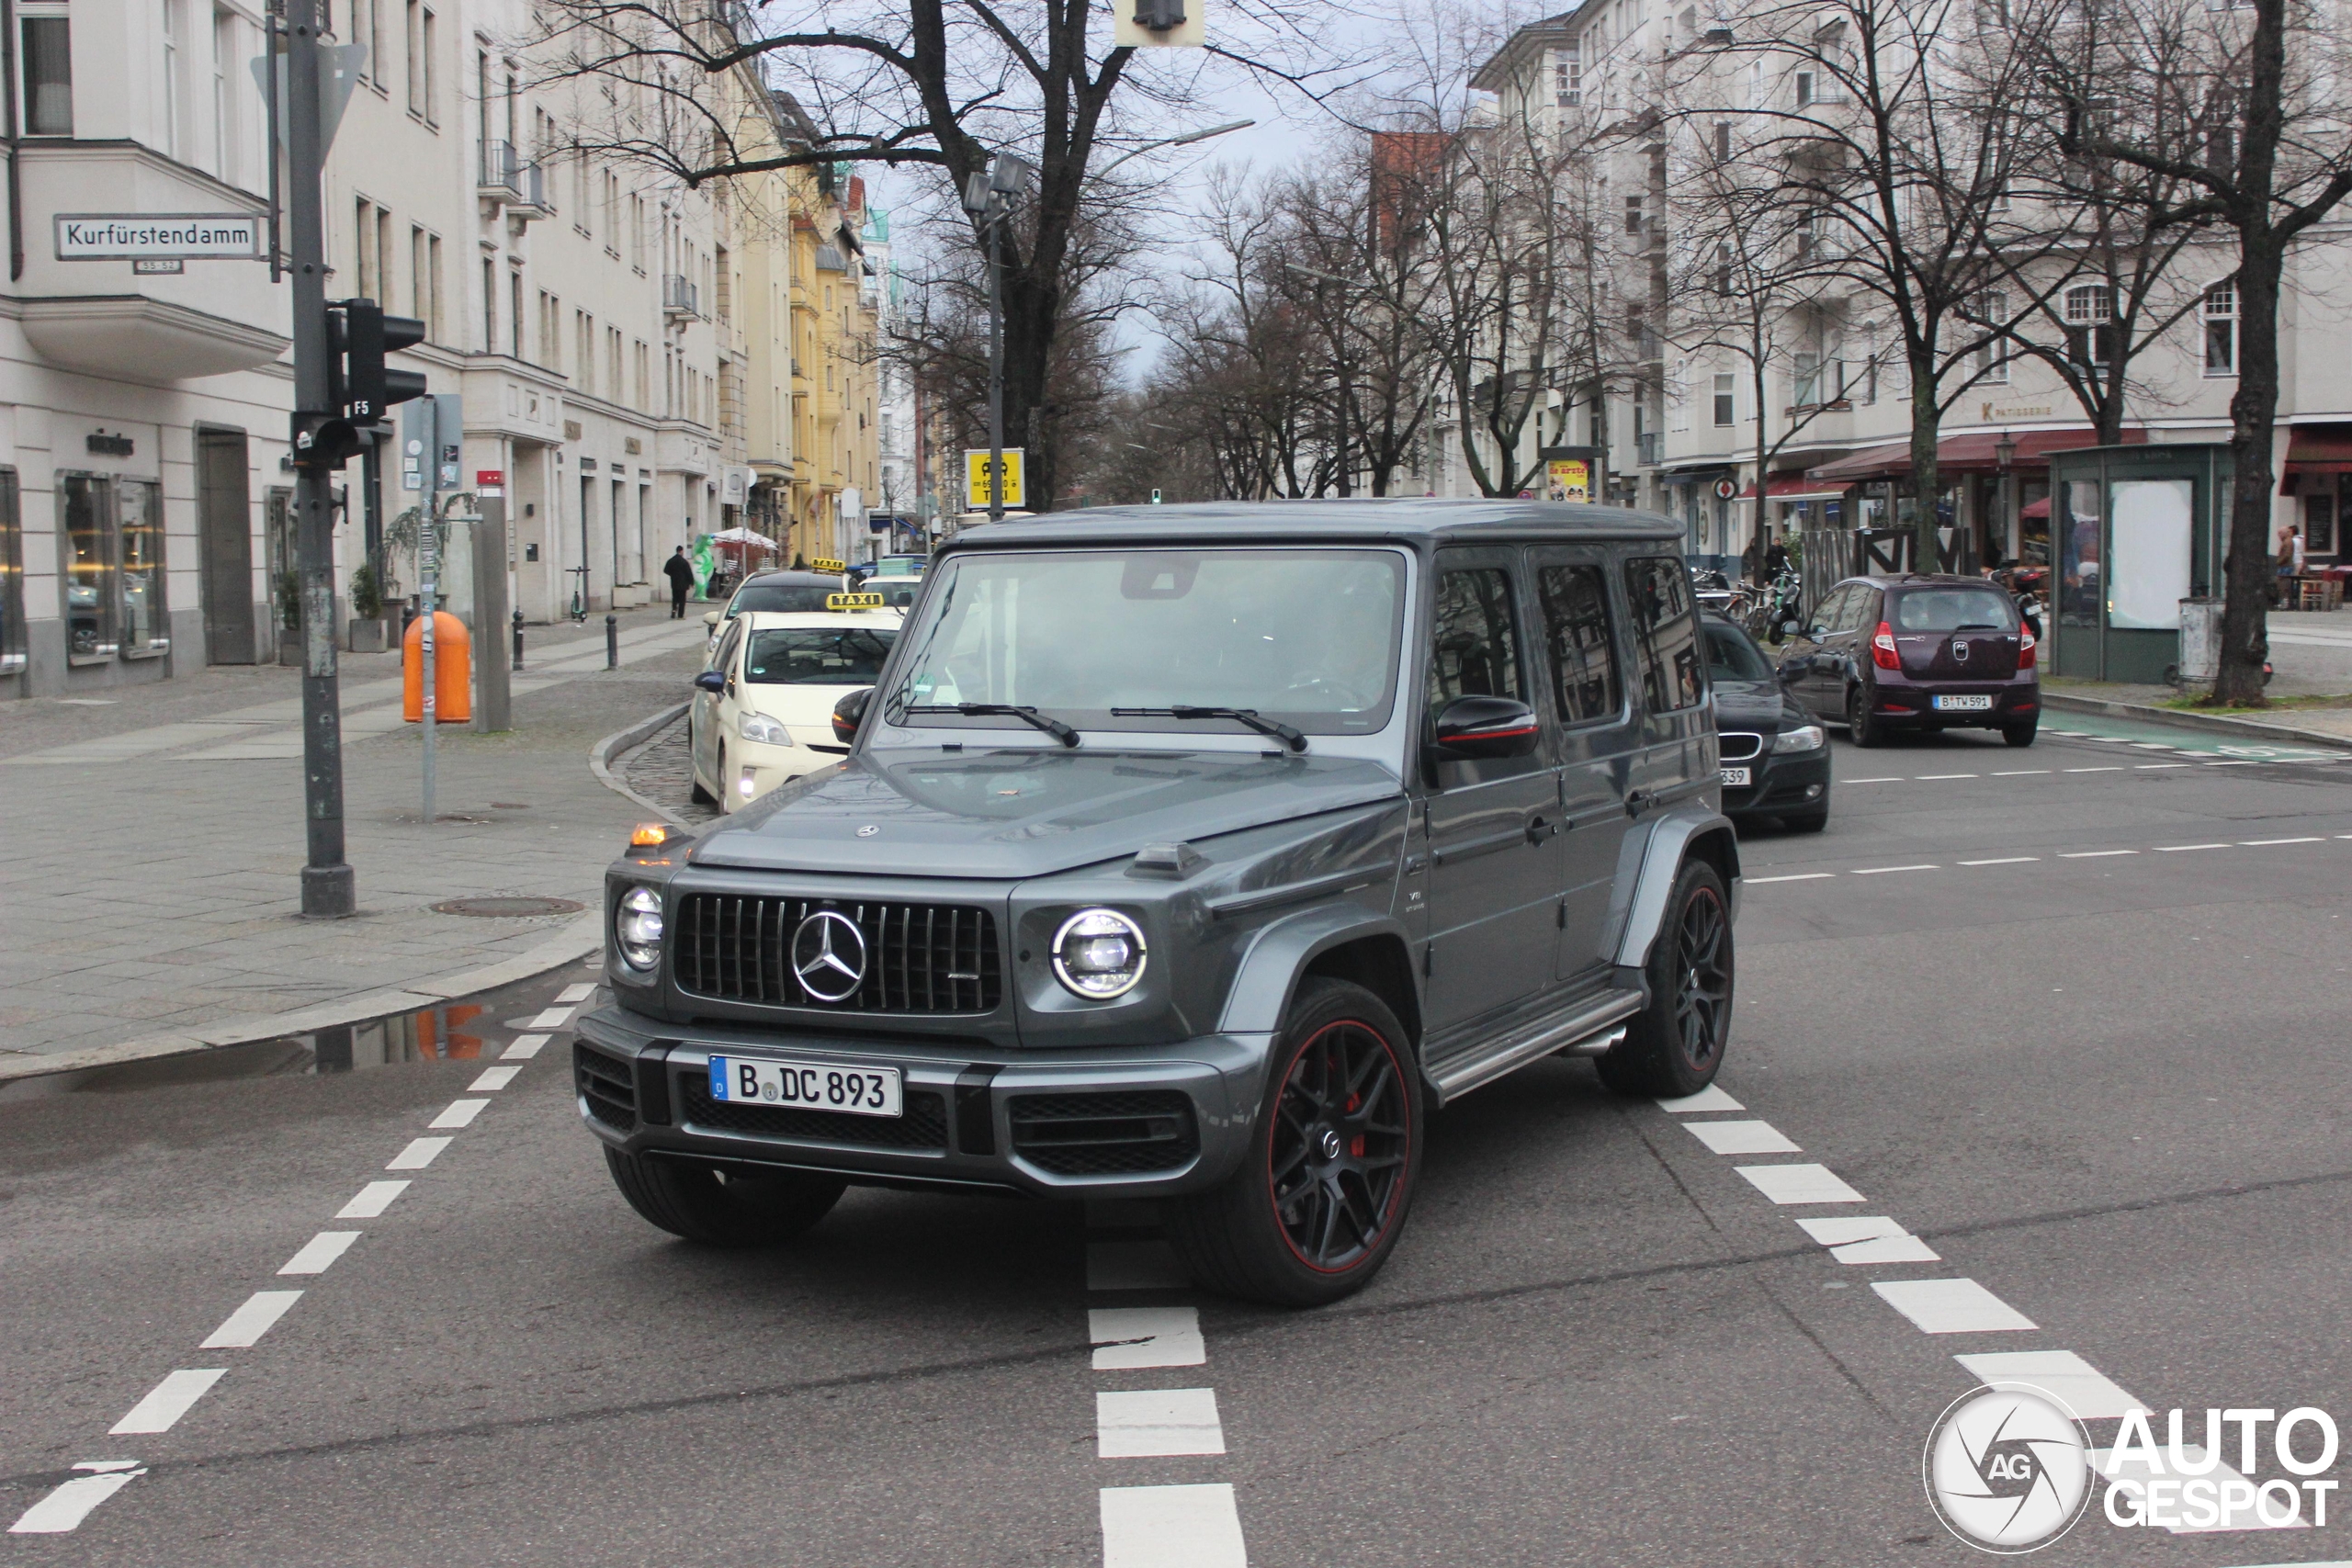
[[682, 577]]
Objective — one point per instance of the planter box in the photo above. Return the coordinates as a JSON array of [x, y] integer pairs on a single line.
[[367, 636], [289, 649]]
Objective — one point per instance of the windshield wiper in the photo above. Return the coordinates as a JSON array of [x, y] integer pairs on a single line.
[[1053, 727], [1294, 739]]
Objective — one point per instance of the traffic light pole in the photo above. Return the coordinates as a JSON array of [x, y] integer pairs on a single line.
[[329, 889]]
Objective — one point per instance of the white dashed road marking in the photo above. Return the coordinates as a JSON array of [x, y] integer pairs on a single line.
[[1799, 1183], [2085, 1391], [1742, 1137], [1171, 1527], [167, 1401], [418, 1155], [1883, 870], [1797, 876], [1130, 1338], [2176, 849], [526, 1046], [2004, 860], [1867, 1238], [461, 1114], [553, 1018], [2023, 772], [245, 1326], [64, 1509], [1951, 1306], [1708, 1098], [1157, 1423], [579, 993], [318, 1253], [2093, 854], [1938, 778], [493, 1080], [372, 1200], [2260, 843]]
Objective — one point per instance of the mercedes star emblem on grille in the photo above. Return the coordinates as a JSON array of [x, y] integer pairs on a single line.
[[829, 956]]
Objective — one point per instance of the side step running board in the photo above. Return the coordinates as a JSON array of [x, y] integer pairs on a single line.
[[1590, 1030]]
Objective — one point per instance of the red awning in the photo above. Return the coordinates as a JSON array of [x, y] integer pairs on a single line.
[[1975, 451], [2320, 443], [1794, 487], [2035, 511]]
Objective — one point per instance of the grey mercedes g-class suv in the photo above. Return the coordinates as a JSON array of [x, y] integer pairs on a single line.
[[1191, 854]]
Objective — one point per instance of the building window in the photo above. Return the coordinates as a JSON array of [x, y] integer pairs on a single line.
[[1722, 140], [489, 306], [48, 77], [2090, 325], [414, 34], [1568, 77], [114, 573], [514, 313], [1727, 398], [173, 58], [367, 258], [1992, 362], [2220, 313], [224, 101], [1805, 89], [432, 64], [644, 377]]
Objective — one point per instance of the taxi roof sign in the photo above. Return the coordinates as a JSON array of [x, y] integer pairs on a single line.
[[856, 601], [824, 564]]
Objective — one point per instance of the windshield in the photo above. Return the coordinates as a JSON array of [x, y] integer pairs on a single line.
[[1731, 656], [783, 598], [1307, 638], [819, 656], [1953, 610]]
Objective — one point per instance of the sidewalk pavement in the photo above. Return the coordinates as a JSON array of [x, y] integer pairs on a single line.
[[150, 900], [2310, 660]]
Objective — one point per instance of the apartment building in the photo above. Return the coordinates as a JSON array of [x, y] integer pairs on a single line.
[[582, 310], [1682, 420]]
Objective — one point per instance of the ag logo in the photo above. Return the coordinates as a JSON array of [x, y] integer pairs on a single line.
[[2008, 1468]]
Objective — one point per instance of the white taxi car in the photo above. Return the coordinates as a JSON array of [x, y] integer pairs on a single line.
[[763, 709]]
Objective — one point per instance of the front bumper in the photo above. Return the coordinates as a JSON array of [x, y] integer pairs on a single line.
[[754, 767], [1142, 1121], [1795, 781]]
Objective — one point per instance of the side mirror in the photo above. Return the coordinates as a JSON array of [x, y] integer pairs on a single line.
[[1473, 729], [712, 681], [710, 619], [849, 713]]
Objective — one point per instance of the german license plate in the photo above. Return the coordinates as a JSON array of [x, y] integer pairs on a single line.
[[1736, 778], [809, 1086], [1964, 704]]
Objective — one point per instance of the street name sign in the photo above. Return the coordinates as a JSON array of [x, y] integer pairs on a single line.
[[152, 236]]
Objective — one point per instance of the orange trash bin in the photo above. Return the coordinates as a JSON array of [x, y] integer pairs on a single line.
[[453, 671]]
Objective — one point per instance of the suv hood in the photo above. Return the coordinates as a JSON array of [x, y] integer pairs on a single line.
[[1027, 812]]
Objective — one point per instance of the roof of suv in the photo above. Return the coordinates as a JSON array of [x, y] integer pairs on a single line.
[[1921, 579], [1240, 522]]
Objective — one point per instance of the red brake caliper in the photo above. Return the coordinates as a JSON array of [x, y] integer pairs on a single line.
[[1355, 1146]]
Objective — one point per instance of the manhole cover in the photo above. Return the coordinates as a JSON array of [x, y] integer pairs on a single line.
[[508, 908]]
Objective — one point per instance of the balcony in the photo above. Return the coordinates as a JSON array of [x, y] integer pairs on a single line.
[[679, 302], [507, 180], [1649, 448]]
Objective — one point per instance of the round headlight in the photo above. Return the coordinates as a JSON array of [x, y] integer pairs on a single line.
[[636, 930], [1098, 954]]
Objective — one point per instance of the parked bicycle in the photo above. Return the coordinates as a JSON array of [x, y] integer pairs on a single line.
[[1777, 608]]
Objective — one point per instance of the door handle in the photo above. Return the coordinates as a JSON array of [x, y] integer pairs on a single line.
[[1638, 801], [1538, 829]]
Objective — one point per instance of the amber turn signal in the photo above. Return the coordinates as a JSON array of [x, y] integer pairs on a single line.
[[649, 836]]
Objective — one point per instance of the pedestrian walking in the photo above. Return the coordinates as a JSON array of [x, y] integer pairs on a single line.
[[682, 577], [2289, 561]]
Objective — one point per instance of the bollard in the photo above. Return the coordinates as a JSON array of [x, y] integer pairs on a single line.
[[612, 642], [518, 639]]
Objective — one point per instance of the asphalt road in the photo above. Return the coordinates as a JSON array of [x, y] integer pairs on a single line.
[[2094, 1070]]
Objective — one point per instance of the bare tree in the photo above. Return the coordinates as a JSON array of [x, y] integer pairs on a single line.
[[2242, 104]]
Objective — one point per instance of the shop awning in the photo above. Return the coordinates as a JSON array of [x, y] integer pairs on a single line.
[[1974, 451], [2036, 510], [2316, 451], [1794, 487]]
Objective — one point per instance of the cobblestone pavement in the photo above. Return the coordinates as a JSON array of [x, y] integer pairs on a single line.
[[153, 896], [661, 771]]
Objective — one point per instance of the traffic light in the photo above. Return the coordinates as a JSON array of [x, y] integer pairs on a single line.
[[1159, 16], [359, 386], [369, 387]]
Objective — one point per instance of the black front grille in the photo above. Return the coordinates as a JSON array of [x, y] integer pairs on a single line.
[[605, 1086], [924, 1125], [1104, 1134], [919, 958], [1738, 746]]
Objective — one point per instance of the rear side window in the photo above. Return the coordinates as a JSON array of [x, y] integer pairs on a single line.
[[781, 598], [1825, 613], [1862, 602], [1474, 644], [1666, 633], [1584, 659], [1951, 610]]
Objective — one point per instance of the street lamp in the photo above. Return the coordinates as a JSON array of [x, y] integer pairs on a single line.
[[988, 197], [1186, 139]]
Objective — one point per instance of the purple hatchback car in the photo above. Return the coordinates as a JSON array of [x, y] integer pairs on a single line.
[[1915, 652]]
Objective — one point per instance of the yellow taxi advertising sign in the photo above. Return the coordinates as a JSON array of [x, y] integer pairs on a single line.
[[853, 602], [823, 564], [976, 477]]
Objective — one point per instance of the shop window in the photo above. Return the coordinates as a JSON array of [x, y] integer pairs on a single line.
[[2319, 523], [2219, 310], [114, 569], [12, 577]]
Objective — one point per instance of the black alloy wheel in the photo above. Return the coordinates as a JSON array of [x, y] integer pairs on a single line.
[[1338, 1146], [1674, 1046], [1322, 1192]]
